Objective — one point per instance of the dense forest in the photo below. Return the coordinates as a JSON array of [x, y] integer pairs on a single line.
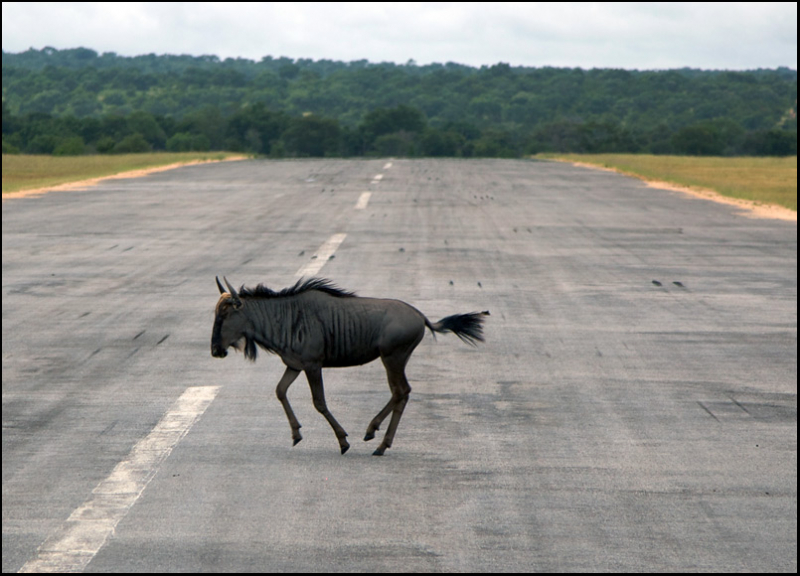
[[78, 101]]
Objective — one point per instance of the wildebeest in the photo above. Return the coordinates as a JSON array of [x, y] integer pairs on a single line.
[[314, 325]]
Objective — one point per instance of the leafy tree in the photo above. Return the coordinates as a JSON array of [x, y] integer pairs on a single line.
[[105, 144], [441, 143], [383, 121], [711, 138], [399, 143], [312, 136], [496, 144], [42, 144], [187, 142], [132, 143], [771, 143], [10, 123], [9, 148], [255, 128], [144, 124], [72, 146], [50, 95]]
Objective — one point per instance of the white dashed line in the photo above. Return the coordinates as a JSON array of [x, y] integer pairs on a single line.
[[72, 546], [363, 200], [322, 255]]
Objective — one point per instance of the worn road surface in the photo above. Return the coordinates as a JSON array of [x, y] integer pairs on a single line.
[[634, 407]]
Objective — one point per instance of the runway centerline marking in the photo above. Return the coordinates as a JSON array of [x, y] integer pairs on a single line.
[[72, 546], [321, 256], [363, 200]]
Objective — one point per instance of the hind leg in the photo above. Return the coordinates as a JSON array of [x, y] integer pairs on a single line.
[[395, 371], [400, 393], [375, 424], [396, 344]]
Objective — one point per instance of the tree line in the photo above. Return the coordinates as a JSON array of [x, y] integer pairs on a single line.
[[78, 101]]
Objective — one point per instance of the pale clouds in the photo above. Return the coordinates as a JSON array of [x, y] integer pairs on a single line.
[[644, 35]]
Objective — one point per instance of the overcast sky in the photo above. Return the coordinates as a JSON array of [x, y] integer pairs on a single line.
[[642, 35]]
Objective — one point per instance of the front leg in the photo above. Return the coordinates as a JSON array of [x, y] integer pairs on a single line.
[[286, 380], [314, 376]]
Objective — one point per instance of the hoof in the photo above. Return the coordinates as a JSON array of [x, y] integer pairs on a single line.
[[345, 448], [296, 440], [379, 452], [369, 436]]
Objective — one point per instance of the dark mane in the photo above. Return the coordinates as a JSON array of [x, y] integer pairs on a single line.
[[301, 286]]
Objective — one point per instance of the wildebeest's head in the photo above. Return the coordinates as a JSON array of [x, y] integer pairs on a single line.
[[231, 325]]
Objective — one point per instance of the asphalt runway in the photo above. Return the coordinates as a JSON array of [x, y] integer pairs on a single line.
[[634, 407]]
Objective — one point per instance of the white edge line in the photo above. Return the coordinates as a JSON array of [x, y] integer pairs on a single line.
[[72, 546], [321, 257]]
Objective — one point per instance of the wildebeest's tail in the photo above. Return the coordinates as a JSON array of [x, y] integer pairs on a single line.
[[468, 327]]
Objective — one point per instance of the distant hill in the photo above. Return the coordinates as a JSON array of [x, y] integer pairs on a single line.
[[279, 106]]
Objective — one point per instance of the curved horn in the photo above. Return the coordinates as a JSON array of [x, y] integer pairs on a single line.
[[232, 291], [219, 285]]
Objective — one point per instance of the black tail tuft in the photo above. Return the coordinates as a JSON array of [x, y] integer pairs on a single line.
[[468, 327]]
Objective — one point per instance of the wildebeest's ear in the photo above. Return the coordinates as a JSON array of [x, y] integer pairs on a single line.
[[219, 285]]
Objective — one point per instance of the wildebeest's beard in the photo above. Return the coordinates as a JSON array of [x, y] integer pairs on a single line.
[[250, 348], [248, 345]]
